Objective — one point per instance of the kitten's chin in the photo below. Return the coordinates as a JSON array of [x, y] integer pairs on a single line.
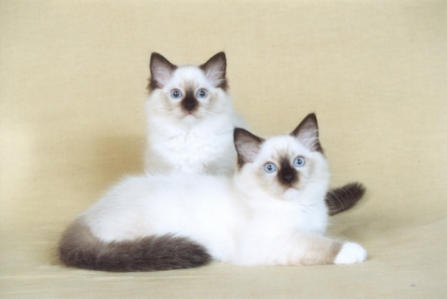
[[290, 193], [190, 118]]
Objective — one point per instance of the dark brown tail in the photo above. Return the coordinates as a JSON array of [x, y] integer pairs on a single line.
[[344, 198], [79, 248]]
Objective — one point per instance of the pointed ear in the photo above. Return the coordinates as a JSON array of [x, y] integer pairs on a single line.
[[215, 70], [247, 146], [307, 133], [161, 71]]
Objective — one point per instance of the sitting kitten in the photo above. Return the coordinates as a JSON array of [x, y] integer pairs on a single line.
[[272, 212], [191, 121], [190, 118]]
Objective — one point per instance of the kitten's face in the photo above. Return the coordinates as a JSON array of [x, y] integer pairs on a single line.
[[189, 93], [283, 165]]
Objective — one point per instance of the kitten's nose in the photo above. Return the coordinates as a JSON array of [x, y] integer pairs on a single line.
[[189, 106], [189, 102], [288, 175]]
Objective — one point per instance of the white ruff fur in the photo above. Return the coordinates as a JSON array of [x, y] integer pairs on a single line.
[[196, 142], [245, 220]]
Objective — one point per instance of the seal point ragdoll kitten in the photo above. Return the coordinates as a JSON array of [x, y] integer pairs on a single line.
[[191, 120], [272, 212]]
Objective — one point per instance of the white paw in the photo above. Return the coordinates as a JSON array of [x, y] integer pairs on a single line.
[[350, 253]]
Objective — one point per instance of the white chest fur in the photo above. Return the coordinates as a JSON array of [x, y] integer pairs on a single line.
[[205, 147]]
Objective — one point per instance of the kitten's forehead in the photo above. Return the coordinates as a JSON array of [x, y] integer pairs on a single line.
[[281, 147], [190, 77]]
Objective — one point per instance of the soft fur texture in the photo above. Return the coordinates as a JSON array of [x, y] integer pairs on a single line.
[[191, 133], [194, 135], [80, 248], [343, 198], [272, 212]]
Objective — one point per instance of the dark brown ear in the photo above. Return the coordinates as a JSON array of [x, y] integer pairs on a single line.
[[247, 146], [215, 70], [161, 71], [307, 133]]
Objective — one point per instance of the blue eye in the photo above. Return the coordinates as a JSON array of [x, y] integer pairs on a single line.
[[201, 93], [299, 162], [270, 167], [176, 94]]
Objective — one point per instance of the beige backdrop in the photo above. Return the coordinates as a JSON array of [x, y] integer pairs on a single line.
[[72, 89]]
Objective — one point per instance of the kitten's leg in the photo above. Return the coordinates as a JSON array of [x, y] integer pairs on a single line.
[[80, 248], [317, 250], [301, 249], [297, 249]]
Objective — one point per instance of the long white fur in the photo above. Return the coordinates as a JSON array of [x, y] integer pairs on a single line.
[[240, 220], [198, 143]]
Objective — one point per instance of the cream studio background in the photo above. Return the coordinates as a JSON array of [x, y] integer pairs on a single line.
[[72, 90]]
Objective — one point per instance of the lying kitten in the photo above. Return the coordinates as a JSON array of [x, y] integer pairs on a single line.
[[191, 121], [272, 212], [190, 118]]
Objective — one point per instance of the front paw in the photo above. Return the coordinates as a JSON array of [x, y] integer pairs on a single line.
[[350, 253]]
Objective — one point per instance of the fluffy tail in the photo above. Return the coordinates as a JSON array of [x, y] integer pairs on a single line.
[[80, 248], [344, 198]]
